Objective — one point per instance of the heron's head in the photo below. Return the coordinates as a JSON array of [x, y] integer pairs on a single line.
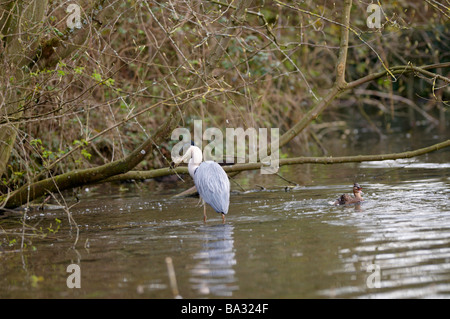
[[187, 154]]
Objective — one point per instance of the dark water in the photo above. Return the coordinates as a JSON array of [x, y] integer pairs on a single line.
[[276, 243]]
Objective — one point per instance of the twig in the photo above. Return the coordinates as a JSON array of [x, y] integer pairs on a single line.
[[172, 278], [239, 185], [278, 174]]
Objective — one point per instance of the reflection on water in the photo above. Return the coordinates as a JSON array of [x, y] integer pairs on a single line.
[[213, 271]]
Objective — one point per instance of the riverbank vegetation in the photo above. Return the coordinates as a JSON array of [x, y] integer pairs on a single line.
[[91, 93]]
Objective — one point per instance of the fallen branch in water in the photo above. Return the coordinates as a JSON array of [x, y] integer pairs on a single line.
[[364, 158], [142, 175]]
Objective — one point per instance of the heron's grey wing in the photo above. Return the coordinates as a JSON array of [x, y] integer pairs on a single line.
[[213, 185]]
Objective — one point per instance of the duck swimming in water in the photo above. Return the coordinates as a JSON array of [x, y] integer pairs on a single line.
[[347, 199]]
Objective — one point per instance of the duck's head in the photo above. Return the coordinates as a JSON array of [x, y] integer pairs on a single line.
[[357, 188]]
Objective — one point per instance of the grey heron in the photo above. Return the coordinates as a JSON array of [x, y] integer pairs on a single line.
[[210, 179]]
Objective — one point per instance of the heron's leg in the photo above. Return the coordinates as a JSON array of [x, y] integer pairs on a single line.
[[204, 212], [223, 218]]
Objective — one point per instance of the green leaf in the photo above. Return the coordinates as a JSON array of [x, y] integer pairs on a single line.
[[79, 69], [86, 154], [97, 77], [109, 82], [35, 142]]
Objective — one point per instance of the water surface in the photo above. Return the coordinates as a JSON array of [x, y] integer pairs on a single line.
[[278, 242]]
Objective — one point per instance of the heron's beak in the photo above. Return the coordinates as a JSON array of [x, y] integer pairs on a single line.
[[175, 163], [178, 160]]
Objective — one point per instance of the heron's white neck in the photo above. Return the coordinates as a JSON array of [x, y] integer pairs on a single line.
[[196, 159]]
